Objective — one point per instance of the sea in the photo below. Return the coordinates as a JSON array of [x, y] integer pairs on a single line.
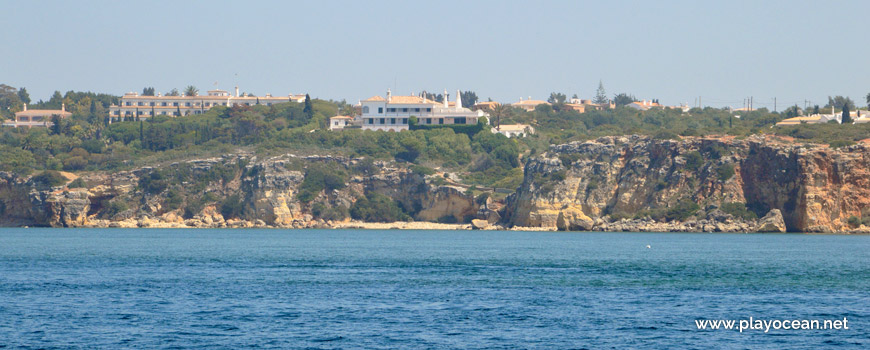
[[403, 289]]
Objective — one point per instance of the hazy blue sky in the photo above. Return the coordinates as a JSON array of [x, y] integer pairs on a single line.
[[671, 50]]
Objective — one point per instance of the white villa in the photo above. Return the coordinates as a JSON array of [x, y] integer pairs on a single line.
[[339, 122], [133, 104], [393, 112]]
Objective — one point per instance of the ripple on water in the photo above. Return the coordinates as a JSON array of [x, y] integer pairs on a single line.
[[423, 289]]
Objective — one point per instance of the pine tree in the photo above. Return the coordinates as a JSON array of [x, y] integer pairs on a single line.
[[847, 119], [600, 94], [309, 109]]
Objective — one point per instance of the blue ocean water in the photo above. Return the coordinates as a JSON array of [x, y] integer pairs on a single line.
[[369, 289]]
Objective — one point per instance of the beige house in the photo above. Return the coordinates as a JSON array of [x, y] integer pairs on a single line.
[[515, 130], [813, 119], [529, 105], [37, 117], [485, 106], [134, 105]]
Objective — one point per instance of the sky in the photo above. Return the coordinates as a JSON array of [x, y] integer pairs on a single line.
[[674, 51]]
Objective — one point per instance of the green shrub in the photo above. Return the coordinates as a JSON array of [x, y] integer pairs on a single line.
[[232, 207], [48, 179], [854, 221], [738, 209], [694, 160], [375, 207], [77, 183], [153, 183], [320, 177], [325, 212], [841, 143], [665, 135], [682, 211], [725, 172], [115, 207], [173, 200], [558, 176]]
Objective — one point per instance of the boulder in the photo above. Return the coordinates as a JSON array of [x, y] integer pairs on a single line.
[[479, 224], [573, 219], [772, 222]]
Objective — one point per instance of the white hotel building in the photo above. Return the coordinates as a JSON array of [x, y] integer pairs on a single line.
[[146, 106], [392, 113]]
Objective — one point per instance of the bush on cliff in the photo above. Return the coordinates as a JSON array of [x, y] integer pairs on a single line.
[[321, 177], [324, 211], [48, 179], [681, 211], [232, 207], [375, 207], [738, 209], [694, 160], [725, 172]]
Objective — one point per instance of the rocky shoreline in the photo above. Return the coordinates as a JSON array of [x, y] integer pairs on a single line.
[[612, 184]]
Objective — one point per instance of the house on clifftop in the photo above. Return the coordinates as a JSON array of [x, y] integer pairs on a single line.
[[392, 113], [37, 117]]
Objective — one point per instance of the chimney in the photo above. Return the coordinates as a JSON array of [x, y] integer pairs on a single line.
[[458, 99], [25, 107], [237, 91], [389, 96], [445, 98]]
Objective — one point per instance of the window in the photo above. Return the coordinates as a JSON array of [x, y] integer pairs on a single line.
[[391, 110], [392, 120], [174, 104], [404, 120], [428, 109], [370, 121], [128, 104], [428, 120], [163, 104], [380, 110], [404, 110], [187, 104], [416, 109], [382, 121], [441, 121], [459, 120], [366, 109], [141, 104], [152, 104]]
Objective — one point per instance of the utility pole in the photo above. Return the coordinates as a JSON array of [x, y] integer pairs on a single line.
[[751, 102], [774, 104]]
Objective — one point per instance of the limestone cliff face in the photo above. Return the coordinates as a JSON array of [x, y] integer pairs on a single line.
[[575, 185], [193, 194]]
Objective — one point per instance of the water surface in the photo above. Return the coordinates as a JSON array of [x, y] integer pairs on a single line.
[[332, 289]]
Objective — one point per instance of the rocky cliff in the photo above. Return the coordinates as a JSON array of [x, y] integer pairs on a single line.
[[230, 191], [695, 184]]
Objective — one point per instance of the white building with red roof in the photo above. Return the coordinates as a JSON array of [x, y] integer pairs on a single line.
[[393, 113]]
